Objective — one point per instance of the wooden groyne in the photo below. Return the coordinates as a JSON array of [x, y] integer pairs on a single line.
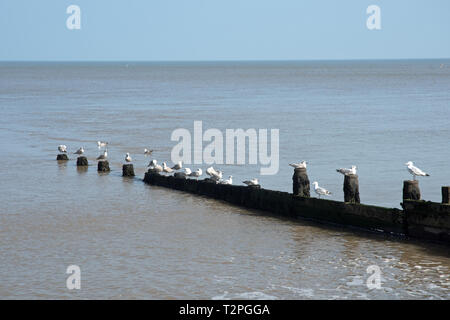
[[418, 219]]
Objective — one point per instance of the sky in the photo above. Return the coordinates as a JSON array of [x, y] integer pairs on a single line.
[[198, 30]]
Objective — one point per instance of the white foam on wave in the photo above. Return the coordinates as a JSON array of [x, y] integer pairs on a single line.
[[254, 295]]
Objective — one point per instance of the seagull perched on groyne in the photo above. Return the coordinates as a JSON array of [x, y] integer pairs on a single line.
[[227, 181], [253, 182], [197, 173], [155, 166], [301, 165], [346, 171], [187, 171], [178, 166], [214, 174], [319, 190], [127, 157], [62, 148], [166, 168], [415, 171], [79, 151], [103, 156]]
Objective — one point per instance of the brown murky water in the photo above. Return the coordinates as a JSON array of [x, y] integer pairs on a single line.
[[136, 241]]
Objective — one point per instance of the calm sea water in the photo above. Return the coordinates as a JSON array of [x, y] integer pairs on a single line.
[[135, 241]]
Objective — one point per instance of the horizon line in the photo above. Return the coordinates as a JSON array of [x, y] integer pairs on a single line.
[[231, 60]]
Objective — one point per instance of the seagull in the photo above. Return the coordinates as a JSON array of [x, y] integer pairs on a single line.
[[147, 152], [178, 166], [346, 171], [127, 157], [187, 171], [152, 163], [103, 156], [101, 144], [196, 173], [253, 182], [214, 174], [166, 168], [62, 148], [415, 171], [157, 168], [320, 191], [227, 181], [299, 165], [79, 151]]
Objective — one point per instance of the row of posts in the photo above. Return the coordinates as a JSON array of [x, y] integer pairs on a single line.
[[102, 165], [300, 185], [411, 191]]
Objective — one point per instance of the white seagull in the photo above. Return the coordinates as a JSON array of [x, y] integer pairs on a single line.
[[178, 166], [299, 165], [227, 181], [253, 182], [187, 171], [127, 157], [157, 168], [415, 171], [62, 148], [101, 144], [103, 156], [152, 163], [197, 173], [147, 152], [346, 172], [166, 168], [214, 174], [79, 151], [320, 191]]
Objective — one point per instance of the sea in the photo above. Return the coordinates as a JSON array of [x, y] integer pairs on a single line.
[[134, 241]]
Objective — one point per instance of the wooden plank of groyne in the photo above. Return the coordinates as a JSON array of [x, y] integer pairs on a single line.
[[287, 205]]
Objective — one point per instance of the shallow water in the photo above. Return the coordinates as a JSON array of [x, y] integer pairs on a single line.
[[136, 241]]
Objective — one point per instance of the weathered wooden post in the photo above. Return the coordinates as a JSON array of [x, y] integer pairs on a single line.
[[446, 195], [82, 161], [351, 188], [300, 185], [128, 170], [411, 190], [103, 166], [62, 157]]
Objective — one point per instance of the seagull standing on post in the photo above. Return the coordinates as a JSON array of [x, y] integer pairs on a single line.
[[127, 157], [346, 172], [415, 171], [103, 156], [299, 165]]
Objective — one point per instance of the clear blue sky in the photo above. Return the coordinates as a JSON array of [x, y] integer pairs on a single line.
[[223, 30]]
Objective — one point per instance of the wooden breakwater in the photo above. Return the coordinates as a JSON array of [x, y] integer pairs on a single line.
[[418, 219], [287, 205], [427, 220]]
